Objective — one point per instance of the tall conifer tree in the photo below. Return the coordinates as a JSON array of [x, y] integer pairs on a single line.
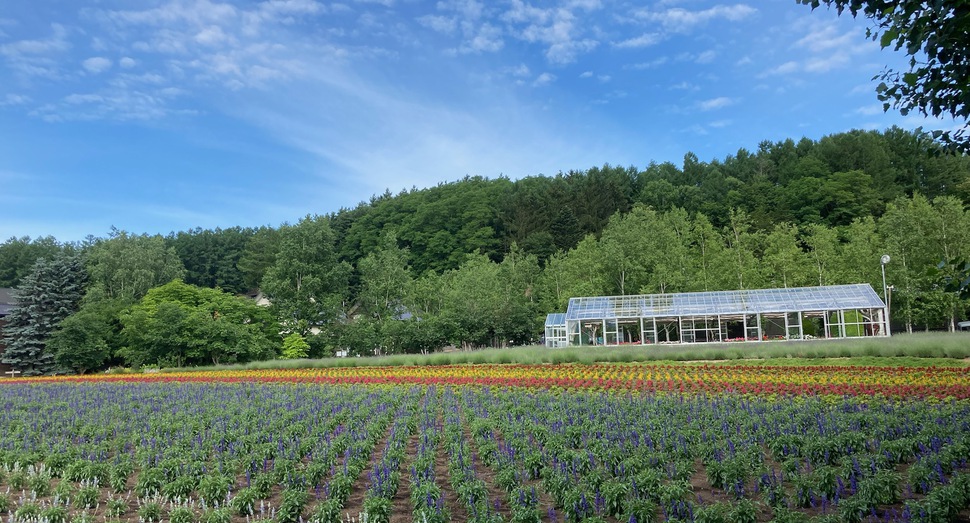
[[50, 293]]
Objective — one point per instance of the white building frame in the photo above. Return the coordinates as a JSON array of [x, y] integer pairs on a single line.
[[555, 335], [837, 311]]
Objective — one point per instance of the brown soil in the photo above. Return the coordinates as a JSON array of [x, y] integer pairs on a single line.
[[454, 505], [401, 510], [355, 501]]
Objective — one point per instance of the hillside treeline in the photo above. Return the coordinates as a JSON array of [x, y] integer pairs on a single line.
[[478, 262]]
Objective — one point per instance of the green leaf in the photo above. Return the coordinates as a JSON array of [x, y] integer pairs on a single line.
[[888, 37]]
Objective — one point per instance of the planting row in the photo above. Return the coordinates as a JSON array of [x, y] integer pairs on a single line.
[[232, 452], [907, 382]]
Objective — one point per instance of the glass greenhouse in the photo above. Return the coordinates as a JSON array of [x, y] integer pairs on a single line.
[[839, 311]]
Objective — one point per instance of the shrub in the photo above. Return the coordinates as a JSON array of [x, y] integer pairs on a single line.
[[87, 496], [150, 511], [181, 514], [116, 507], [55, 514]]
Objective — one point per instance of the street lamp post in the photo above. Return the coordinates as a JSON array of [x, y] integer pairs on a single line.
[[885, 291]]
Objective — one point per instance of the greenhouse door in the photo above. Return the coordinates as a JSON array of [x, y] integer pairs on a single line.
[[611, 332], [648, 331], [752, 327], [793, 326], [574, 333]]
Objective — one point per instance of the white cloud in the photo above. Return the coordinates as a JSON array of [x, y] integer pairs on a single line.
[[657, 62], [788, 67], [544, 79], [824, 37], [588, 5], [97, 64], [14, 99], [869, 110], [488, 38], [827, 63], [644, 40], [824, 47], [116, 104], [37, 58], [196, 13], [706, 57], [466, 9], [291, 7], [715, 103], [680, 20], [75, 99], [211, 35], [56, 43], [127, 62], [441, 24], [586, 74], [519, 71], [565, 52], [556, 28]]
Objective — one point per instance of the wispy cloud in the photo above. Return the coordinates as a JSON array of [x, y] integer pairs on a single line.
[[706, 57], [680, 20], [652, 64], [638, 42], [869, 110], [715, 103], [684, 86], [14, 99], [824, 47], [544, 79], [441, 24], [30, 58]]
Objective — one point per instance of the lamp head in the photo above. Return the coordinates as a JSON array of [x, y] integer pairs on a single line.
[[885, 259]]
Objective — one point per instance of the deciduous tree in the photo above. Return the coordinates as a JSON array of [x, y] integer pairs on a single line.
[[180, 324], [306, 284], [126, 266]]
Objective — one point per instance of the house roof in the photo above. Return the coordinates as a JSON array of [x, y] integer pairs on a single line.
[[7, 301]]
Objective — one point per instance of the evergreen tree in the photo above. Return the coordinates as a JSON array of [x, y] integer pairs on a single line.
[[46, 296], [565, 230]]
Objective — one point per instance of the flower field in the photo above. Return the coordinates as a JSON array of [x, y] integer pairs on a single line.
[[490, 443]]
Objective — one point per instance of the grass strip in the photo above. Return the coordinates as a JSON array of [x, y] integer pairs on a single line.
[[921, 349]]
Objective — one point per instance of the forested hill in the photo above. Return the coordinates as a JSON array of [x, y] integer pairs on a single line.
[[832, 181], [480, 261]]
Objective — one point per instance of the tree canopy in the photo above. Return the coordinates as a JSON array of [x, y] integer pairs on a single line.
[[180, 324]]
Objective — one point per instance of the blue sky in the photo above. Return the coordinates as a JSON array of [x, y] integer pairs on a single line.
[[159, 116]]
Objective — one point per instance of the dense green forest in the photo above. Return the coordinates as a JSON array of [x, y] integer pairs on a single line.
[[479, 262]]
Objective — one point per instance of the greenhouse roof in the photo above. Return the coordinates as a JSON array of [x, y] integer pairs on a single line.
[[759, 301], [555, 319]]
